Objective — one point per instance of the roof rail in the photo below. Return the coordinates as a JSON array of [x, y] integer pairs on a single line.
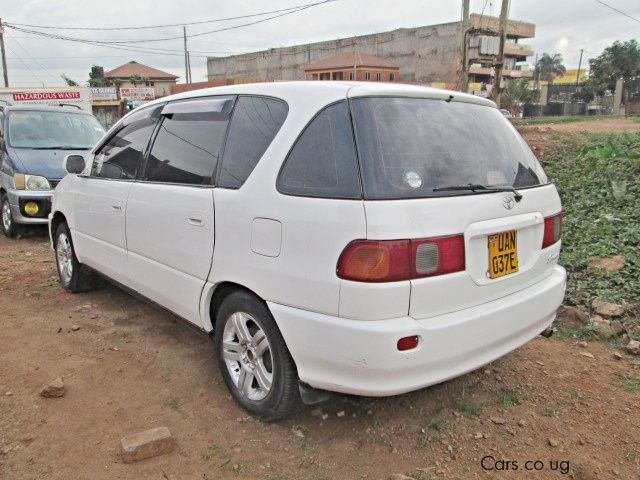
[[69, 105]]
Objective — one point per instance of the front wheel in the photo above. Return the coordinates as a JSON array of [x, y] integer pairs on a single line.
[[9, 227], [74, 276], [254, 360]]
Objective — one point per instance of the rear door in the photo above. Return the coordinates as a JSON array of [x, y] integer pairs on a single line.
[[417, 155], [101, 198], [170, 211]]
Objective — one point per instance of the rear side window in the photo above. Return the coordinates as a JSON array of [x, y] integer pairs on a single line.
[[410, 146], [323, 161], [120, 157], [255, 123], [189, 141]]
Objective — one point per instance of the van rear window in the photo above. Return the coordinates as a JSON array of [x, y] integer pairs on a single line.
[[409, 146]]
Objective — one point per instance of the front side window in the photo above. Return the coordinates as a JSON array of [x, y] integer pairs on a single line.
[[255, 123], [123, 153], [323, 161], [410, 147], [43, 130], [189, 141]]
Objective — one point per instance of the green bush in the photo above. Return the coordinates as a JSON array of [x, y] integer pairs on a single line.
[[597, 177]]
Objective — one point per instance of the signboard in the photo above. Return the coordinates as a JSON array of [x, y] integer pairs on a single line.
[[137, 94], [52, 96], [103, 93]]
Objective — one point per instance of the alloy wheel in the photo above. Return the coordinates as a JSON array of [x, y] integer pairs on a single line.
[[247, 355]]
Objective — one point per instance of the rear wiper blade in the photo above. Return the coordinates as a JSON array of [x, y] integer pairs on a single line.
[[476, 186]]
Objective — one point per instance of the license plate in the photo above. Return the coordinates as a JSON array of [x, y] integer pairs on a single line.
[[503, 253]]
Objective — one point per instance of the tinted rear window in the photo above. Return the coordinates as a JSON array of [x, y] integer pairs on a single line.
[[255, 123], [410, 146]]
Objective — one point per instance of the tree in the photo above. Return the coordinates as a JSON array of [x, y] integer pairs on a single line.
[[518, 93], [97, 78], [620, 60], [136, 79], [68, 81], [550, 67]]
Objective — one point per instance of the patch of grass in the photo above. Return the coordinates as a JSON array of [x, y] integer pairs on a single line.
[[174, 403], [432, 431], [509, 398], [636, 366], [578, 394], [552, 410], [629, 383], [568, 119], [211, 452], [597, 177]]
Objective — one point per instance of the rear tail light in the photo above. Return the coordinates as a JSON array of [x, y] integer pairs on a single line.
[[552, 230], [395, 260]]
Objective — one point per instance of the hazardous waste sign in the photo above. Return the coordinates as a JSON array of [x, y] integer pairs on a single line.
[[50, 96], [24, 96]]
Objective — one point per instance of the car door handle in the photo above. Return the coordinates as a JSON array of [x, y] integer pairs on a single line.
[[196, 219], [117, 208]]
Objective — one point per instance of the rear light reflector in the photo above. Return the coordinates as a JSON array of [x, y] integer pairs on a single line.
[[408, 343], [396, 260], [437, 256], [552, 230]]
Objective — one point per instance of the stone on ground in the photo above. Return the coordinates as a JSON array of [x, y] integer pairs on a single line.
[[607, 264], [607, 309], [53, 389]]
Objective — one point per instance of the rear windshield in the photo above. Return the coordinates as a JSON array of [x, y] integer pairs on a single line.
[[408, 147], [43, 130]]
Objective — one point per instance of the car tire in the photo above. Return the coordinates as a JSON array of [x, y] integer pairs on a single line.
[[9, 227], [74, 276], [254, 360]]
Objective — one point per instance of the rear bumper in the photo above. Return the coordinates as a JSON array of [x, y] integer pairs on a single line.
[[361, 358]]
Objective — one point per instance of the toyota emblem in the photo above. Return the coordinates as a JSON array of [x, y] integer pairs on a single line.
[[508, 202]]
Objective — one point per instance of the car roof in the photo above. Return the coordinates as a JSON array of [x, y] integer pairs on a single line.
[[290, 91]]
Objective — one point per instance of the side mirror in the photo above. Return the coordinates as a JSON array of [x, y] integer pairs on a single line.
[[74, 164]]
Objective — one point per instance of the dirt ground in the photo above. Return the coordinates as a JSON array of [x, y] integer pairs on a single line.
[[130, 367]]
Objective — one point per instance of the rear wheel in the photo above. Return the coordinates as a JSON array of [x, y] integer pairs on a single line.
[[74, 276], [254, 360], [9, 227]]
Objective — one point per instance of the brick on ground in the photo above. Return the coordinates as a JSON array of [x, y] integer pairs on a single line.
[[147, 444]]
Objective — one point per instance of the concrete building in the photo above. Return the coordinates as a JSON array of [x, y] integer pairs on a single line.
[[159, 80], [353, 66], [427, 55]]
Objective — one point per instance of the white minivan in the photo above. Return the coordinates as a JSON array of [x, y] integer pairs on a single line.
[[354, 237]]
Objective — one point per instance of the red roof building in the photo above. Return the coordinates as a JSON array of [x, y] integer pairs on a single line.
[[160, 81], [353, 66]]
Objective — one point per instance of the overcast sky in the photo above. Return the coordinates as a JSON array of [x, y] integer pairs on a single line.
[[563, 26]]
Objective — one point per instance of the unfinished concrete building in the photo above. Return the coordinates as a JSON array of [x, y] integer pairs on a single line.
[[431, 55]]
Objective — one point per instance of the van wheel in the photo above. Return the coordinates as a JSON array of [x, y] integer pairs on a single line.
[[74, 276], [253, 358], [9, 227]]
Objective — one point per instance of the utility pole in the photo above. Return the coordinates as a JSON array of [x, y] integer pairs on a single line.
[[186, 56], [504, 18], [579, 65], [4, 56], [464, 74], [189, 63]]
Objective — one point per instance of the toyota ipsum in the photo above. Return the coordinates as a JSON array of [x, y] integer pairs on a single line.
[[364, 238]]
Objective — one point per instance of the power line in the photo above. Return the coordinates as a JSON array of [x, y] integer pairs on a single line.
[[32, 58], [27, 67], [619, 11], [168, 25], [131, 41]]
